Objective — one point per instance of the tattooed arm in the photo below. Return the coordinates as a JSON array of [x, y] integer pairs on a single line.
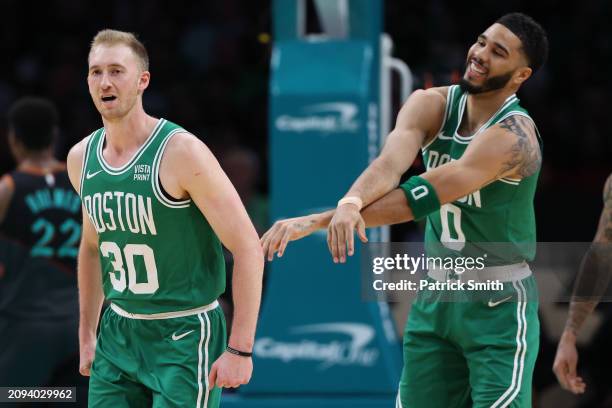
[[592, 282], [595, 270], [526, 155], [508, 149]]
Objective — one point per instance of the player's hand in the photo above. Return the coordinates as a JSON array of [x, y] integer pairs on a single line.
[[565, 364], [341, 229], [87, 351], [230, 371], [276, 239]]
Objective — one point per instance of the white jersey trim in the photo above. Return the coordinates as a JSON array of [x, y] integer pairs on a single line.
[[155, 175], [115, 171], [462, 104], [509, 181], [466, 139], [166, 315], [516, 113], [85, 161], [447, 110]]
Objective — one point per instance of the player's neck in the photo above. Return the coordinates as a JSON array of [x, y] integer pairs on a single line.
[[129, 132], [481, 107]]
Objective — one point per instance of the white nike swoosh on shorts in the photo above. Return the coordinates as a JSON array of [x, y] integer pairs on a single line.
[[180, 336], [493, 304]]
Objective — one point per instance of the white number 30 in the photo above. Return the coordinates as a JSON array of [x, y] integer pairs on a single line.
[[118, 278]]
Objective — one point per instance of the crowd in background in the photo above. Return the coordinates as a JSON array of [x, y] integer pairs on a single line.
[[209, 66], [209, 63]]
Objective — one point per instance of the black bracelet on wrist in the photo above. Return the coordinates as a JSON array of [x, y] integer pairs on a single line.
[[238, 352]]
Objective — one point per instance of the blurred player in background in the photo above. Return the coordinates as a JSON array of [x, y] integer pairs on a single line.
[[592, 282], [40, 228], [483, 156], [157, 208]]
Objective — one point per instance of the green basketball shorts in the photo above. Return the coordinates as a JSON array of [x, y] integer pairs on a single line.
[[161, 362], [471, 351]]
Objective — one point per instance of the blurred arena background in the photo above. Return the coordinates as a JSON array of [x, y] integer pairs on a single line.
[[210, 63]]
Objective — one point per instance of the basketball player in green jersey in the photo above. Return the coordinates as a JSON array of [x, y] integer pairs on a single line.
[[483, 154], [592, 282], [156, 208]]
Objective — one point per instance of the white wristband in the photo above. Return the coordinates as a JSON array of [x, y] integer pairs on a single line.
[[351, 200]]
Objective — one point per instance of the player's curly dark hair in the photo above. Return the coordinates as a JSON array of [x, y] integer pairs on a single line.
[[33, 122], [532, 36]]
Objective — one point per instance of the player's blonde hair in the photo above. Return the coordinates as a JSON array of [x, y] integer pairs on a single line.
[[114, 37]]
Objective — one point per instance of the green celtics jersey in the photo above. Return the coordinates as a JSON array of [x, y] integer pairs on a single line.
[[498, 220], [157, 254]]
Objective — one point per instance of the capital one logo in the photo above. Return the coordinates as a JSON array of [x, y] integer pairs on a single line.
[[345, 344], [332, 117]]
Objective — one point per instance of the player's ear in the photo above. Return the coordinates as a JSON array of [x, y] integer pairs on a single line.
[[143, 81], [521, 75], [15, 145], [12, 139]]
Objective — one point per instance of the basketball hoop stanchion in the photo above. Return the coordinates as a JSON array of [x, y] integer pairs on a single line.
[[319, 343]]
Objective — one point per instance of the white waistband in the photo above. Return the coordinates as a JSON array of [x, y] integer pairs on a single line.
[[504, 273], [167, 315]]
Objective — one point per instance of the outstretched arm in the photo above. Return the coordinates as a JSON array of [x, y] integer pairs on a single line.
[[417, 122], [592, 282], [508, 149]]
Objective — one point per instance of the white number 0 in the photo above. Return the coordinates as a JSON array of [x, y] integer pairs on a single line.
[[456, 243], [118, 278]]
